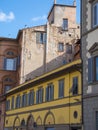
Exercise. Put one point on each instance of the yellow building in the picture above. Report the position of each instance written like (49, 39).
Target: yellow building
(52, 101)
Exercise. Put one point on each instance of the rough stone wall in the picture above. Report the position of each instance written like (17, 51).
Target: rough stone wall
(37, 59)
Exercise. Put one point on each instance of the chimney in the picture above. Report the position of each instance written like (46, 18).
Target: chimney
(74, 3)
(54, 1)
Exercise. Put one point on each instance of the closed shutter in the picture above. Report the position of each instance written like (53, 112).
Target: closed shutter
(90, 70)
(29, 99)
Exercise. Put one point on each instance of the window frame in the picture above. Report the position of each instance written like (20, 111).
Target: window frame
(65, 25)
(93, 14)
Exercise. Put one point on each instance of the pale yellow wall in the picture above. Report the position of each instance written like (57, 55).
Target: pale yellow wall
(62, 114)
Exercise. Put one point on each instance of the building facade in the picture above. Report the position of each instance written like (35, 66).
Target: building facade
(49, 102)
(8, 71)
(38, 50)
(90, 63)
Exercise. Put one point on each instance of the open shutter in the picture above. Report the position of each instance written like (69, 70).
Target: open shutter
(37, 97)
(5, 63)
(90, 70)
(37, 37)
(44, 37)
(52, 92)
(14, 63)
(47, 95)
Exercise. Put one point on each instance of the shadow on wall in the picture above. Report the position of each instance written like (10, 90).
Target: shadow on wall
(55, 63)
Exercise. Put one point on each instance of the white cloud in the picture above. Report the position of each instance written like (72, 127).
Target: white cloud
(6, 17)
(44, 17)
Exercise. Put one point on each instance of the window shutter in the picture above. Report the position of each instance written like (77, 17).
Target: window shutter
(14, 64)
(5, 63)
(52, 92)
(44, 37)
(47, 95)
(33, 97)
(37, 37)
(75, 85)
(36, 97)
(41, 94)
(90, 70)
(28, 99)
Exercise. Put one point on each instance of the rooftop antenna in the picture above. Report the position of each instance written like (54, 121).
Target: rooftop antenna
(74, 3)
(54, 1)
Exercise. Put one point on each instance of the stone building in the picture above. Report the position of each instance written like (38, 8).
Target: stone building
(90, 63)
(46, 47)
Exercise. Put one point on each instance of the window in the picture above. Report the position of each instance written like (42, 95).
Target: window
(75, 86)
(24, 100)
(18, 101)
(68, 48)
(7, 88)
(96, 120)
(65, 24)
(12, 104)
(10, 63)
(61, 47)
(31, 98)
(50, 92)
(61, 88)
(92, 69)
(95, 14)
(39, 95)
(8, 105)
(40, 37)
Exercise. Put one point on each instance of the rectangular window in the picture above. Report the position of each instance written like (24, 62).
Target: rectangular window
(61, 47)
(50, 92)
(96, 120)
(8, 105)
(92, 69)
(65, 24)
(68, 48)
(95, 14)
(61, 88)
(7, 88)
(12, 104)
(75, 86)
(24, 100)
(18, 101)
(31, 98)
(41, 37)
(10, 63)
(39, 95)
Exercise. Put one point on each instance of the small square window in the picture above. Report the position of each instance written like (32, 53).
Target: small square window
(61, 47)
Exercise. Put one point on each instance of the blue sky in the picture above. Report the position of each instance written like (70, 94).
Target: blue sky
(15, 14)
